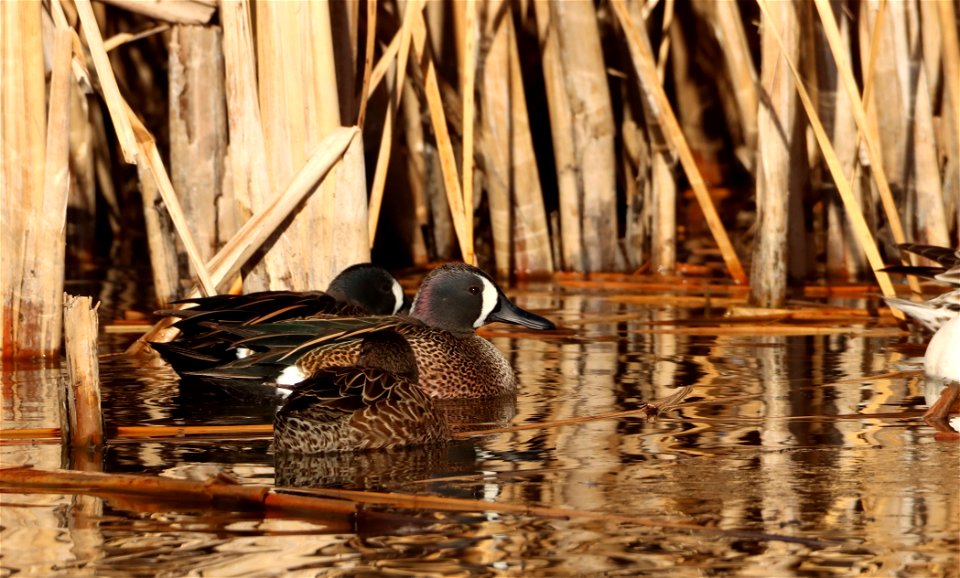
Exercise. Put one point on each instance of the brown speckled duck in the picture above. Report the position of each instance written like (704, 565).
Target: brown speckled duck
(452, 361)
(375, 404)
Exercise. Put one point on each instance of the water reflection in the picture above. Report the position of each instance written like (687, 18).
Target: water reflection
(785, 456)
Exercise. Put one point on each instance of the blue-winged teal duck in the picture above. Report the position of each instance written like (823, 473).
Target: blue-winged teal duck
(362, 289)
(453, 362)
(375, 404)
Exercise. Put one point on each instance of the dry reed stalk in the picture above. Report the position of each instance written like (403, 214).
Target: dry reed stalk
(448, 162)
(334, 222)
(530, 234)
(179, 11)
(843, 261)
(468, 92)
(663, 184)
(561, 128)
(416, 169)
(146, 154)
(108, 82)
(439, 503)
(198, 130)
(951, 111)
(588, 94)
(79, 64)
(37, 328)
(830, 157)
(413, 9)
(161, 240)
(369, 46)
(743, 75)
(83, 421)
(220, 492)
(929, 218)
(118, 40)
(22, 130)
(282, 68)
(246, 172)
(148, 158)
(658, 102)
(778, 161)
(832, 35)
(255, 232)
(496, 130)
(36, 435)
(891, 99)
(337, 509)
(635, 156)
(299, 102)
(387, 60)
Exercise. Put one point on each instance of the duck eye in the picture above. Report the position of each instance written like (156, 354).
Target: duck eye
(474, 290)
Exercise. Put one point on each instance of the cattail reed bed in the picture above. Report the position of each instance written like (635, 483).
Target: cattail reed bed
(773, 144)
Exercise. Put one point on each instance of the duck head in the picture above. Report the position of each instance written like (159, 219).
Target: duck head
(459, 298)
(369, 287)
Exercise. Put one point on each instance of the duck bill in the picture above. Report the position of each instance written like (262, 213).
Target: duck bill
(507, 312)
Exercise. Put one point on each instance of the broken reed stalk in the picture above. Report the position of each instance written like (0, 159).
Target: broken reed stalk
(779, 162)
(38, 324)
(181, 12)
(448, 161)
(108, 82)
(198, 130)
(588, 94)
(412, 9)
(82, 419)
(469, 74)
(642, 59)
(338, 509)
(530, 235)
(832, 34)
(22, 166)
(496, 131)
(227, 262)
(854, 213)
(370, 44)
(561, 128)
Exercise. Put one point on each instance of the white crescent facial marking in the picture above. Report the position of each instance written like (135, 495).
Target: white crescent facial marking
(291, 376)
(244, 352)
(398, 295)
(490, 299)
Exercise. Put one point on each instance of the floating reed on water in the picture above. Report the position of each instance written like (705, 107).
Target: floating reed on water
(530, 137)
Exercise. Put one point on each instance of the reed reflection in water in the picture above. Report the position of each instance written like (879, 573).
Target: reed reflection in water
(782, 464)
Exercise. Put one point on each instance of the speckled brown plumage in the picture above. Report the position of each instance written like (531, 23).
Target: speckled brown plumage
(346, 409)
(450, 366)
(374, 404)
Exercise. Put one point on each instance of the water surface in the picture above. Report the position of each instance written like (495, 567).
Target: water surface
(786, 458)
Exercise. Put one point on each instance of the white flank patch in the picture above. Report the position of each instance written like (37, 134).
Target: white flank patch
(291, 376)
(942, 359)
(244, 352)
(398, 295)
(490, 299)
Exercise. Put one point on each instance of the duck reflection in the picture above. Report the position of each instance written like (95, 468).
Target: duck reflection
(371, 469)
